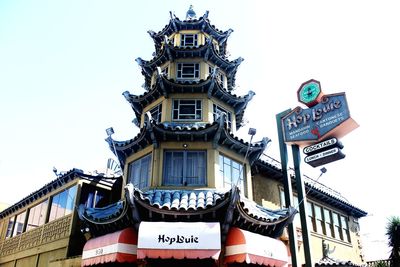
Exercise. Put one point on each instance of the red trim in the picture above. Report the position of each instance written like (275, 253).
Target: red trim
(243, 246)
(119, 246)
(178, 253)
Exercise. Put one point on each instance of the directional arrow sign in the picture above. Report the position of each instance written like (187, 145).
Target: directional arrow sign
(324, 157)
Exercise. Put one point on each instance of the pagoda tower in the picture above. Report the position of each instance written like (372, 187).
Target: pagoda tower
(186, 165)
(188, 115)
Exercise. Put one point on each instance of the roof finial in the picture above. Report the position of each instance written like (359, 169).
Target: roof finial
(190, 14)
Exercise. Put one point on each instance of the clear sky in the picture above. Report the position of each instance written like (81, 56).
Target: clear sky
(65, 64)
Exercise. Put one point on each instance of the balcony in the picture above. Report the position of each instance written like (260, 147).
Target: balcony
(44, 234)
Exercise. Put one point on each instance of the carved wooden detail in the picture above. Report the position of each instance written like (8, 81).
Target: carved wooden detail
(47, 233)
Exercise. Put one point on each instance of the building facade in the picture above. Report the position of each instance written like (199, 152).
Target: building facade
(44, 226)
(191, 193)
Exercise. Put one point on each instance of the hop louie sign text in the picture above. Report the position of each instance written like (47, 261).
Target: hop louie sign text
(179, 235)
(329, 118)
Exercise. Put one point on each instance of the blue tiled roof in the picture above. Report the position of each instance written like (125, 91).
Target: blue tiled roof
(261, 213)
(182, 199)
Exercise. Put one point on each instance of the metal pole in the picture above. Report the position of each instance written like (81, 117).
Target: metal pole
(287, 186)
(302, 201)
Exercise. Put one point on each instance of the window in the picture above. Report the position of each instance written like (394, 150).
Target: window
(231, 172)
(296, 220)
(188, 71)
(93, 197)
(217, 111)
(10, 227)
(310, 215)
(186, 109)
(63, 203)
(328, 223)
(139, 172)
(345, 229)
(220, 75)
(156, 113)
(184, 168)
(189, 40)
(37, 216)
(336, 226)
(165, 71)
(19, 224)
(319, 222)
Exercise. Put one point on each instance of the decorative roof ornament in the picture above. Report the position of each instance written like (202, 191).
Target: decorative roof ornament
(190, 14)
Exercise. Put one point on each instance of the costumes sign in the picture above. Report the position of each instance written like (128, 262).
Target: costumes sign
(330, 117)
(179, 235)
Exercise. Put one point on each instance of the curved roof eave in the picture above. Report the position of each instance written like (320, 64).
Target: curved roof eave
(202, 23)
(210, 86)
(272, 222)
(123, 149)
(206, 51)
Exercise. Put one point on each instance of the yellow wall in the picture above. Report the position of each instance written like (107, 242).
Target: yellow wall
(48, 242)
(207, 108)
(267, 193)
(47, 257)
(212, 175)
(8, 264)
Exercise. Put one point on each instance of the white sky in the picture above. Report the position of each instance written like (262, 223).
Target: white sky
(65, 64)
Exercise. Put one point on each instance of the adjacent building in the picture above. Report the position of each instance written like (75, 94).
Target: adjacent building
(192, 192)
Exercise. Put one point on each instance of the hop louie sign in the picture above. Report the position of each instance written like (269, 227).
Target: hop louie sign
(179, 235)
(327, 116)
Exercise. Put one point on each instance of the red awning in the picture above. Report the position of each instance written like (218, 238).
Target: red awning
(179, 240)
(244, 246)
(120, 246)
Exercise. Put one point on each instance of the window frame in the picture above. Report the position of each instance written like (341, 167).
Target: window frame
(142, 182)
(10, 230)
(156, 113)
(331, 229)
(60, 213)
(167, 178)
(42, 212)
(186, 42)
(187, 71)
(228, 181)
(177, 108)
(328, 222)
(19, 222)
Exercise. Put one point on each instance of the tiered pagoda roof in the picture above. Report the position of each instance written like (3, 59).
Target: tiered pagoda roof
(211, 86)
(203, 24)
(206, 52)
(153, 133)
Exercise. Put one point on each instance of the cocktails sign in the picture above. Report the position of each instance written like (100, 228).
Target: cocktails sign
(328, 118)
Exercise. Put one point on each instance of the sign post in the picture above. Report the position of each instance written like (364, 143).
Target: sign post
(317, 127)
(287, 186)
